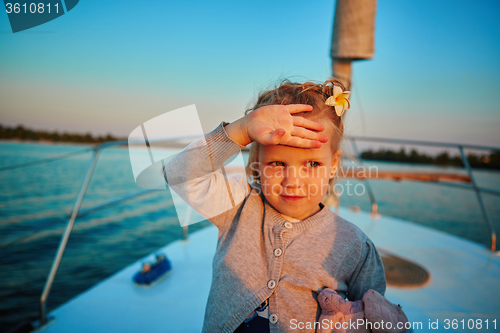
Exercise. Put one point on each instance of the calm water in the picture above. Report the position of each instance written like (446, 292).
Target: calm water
(35, 202)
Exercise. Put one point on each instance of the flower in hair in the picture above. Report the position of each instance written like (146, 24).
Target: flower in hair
(339, 100)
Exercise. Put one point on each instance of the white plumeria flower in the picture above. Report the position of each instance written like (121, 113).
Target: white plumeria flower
(339, 100)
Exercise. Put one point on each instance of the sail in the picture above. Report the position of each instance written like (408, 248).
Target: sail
(353, 36)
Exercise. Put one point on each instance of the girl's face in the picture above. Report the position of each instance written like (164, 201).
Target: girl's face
(295, 180)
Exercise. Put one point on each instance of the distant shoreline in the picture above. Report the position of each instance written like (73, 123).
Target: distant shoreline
(21, 134)
(486, 161)
(45, 142)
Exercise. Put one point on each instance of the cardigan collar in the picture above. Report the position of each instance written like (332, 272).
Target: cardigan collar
(317, 218)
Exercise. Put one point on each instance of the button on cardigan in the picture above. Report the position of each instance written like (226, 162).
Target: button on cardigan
(261, 255)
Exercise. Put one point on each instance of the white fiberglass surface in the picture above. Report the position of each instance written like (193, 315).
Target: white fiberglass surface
(465, 276)
(174, 304)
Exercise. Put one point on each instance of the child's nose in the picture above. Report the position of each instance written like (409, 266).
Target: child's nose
(292, 178)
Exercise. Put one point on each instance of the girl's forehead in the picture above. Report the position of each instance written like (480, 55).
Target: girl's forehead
(291, 153)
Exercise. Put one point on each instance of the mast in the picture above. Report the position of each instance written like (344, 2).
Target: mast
(353, 36)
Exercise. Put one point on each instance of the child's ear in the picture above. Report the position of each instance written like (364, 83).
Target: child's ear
(335, 163)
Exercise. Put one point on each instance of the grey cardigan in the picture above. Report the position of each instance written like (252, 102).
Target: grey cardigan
(261, 255)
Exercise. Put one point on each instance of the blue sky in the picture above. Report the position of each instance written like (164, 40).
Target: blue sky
(108, 66)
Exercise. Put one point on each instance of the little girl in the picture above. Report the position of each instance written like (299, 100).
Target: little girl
(278, 245)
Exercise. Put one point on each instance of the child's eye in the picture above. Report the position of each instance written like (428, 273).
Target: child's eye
(277, 163)
(312, 164)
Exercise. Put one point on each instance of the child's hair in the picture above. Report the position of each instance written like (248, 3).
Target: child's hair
(287, 92)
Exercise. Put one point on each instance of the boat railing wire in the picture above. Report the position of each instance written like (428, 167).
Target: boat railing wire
(474, 185)
(76, 212)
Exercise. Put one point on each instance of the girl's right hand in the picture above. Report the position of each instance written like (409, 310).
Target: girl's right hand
(275, 125)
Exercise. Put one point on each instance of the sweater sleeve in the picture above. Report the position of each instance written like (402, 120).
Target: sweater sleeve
(369, 273)
(198, 176)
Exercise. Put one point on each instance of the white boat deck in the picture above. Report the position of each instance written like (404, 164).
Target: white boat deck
(465, 276)
(465, 284)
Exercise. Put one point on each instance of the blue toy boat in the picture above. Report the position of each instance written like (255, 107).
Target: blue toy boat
(151, 273)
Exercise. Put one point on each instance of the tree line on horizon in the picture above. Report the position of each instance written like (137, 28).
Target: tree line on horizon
(27, 134)
(491, 161)
(487, 161)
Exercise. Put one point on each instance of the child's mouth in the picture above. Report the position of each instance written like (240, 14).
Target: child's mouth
(292, 197)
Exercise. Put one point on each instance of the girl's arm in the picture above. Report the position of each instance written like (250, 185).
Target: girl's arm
(197, 175)
(369, 273)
